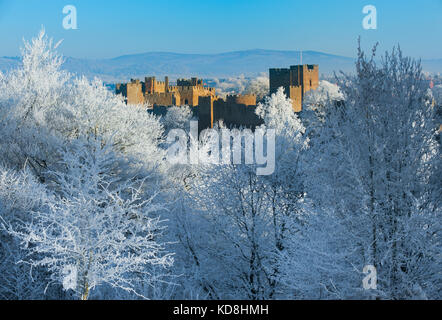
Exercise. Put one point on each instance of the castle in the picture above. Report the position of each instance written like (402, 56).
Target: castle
(234, 110)
(296, 81)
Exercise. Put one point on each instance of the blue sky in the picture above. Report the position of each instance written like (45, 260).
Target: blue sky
(108, 28)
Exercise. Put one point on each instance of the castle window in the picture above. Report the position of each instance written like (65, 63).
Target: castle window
(186, 102)
(310, 83)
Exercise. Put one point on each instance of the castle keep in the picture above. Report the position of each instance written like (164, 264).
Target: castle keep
(296, 81)
(234, 110)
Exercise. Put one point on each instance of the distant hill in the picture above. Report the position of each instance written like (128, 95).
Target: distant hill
(249, 63)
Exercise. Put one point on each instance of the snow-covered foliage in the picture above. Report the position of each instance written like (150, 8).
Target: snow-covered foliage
(277, 113)
(370, 198)
(43, 106)
(317, 99)
(90, 208)
(96, 164)
(258, 86)
(242, 217)
(437, 94)
(20, 193)
(231, 85)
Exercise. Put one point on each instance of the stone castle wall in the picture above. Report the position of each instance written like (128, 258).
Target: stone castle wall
(155, 92)
(235, 111)
(132, 91)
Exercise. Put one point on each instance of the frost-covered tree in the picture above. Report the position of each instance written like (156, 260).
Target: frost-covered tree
(315, 101)
(258, 86)
(437, 94)
(45, 113)
(26, 93)
(232, 85)
(370, 200)
(177, 118)
(85, 196)
(285, 185)
(42, 107)
(236, 257)
(97, 229)
(94, 111)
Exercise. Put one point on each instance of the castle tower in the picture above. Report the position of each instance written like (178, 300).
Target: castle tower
(296, 81)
